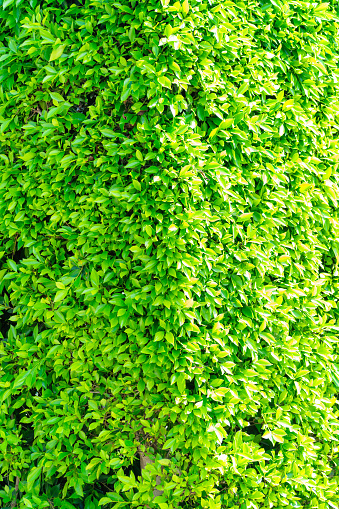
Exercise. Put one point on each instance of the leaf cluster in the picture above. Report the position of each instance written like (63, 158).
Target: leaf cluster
(169, 249)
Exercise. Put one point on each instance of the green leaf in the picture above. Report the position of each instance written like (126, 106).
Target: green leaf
(169, 443)
(95, 278)
(104, 501)
(213, 132)
(57, 52)
(139, 155)
(165, 82)
(20, 379)
(245, 217)
(60, 295)
(109, 133)
(7, 3)
(137, 185)
(226, 123)
(131, 34)
(78, 487)
(12, 265)
(170, 338)
(27, 502)
(284, 258)
(57, 97)
(5, 124)
(185, 7)
(159, 335)
(34, 474)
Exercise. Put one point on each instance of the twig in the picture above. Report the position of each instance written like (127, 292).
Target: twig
(16, 489)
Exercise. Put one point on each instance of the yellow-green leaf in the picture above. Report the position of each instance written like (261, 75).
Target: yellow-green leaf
(165, 82)
(57, 52)
(284, 258)
(60, 295)
(185, 7)
(170, 337)
(137, 185)
(159, 335)
(246, 216)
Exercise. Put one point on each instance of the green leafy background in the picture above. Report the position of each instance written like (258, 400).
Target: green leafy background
(169, 246)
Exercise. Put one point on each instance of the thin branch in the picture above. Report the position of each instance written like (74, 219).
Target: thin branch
(16, 489)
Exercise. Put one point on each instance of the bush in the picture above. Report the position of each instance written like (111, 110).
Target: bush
(169, 254)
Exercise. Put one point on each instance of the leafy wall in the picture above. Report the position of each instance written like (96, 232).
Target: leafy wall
(169, 254)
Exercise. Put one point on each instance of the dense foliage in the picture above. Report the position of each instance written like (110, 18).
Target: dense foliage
(169, 245)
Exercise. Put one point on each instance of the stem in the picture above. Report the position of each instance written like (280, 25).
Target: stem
(145, 460)
(16, 489)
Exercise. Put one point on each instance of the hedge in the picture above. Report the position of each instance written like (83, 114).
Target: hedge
(169, 249)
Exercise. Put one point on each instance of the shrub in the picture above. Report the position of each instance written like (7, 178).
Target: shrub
(169, 254)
